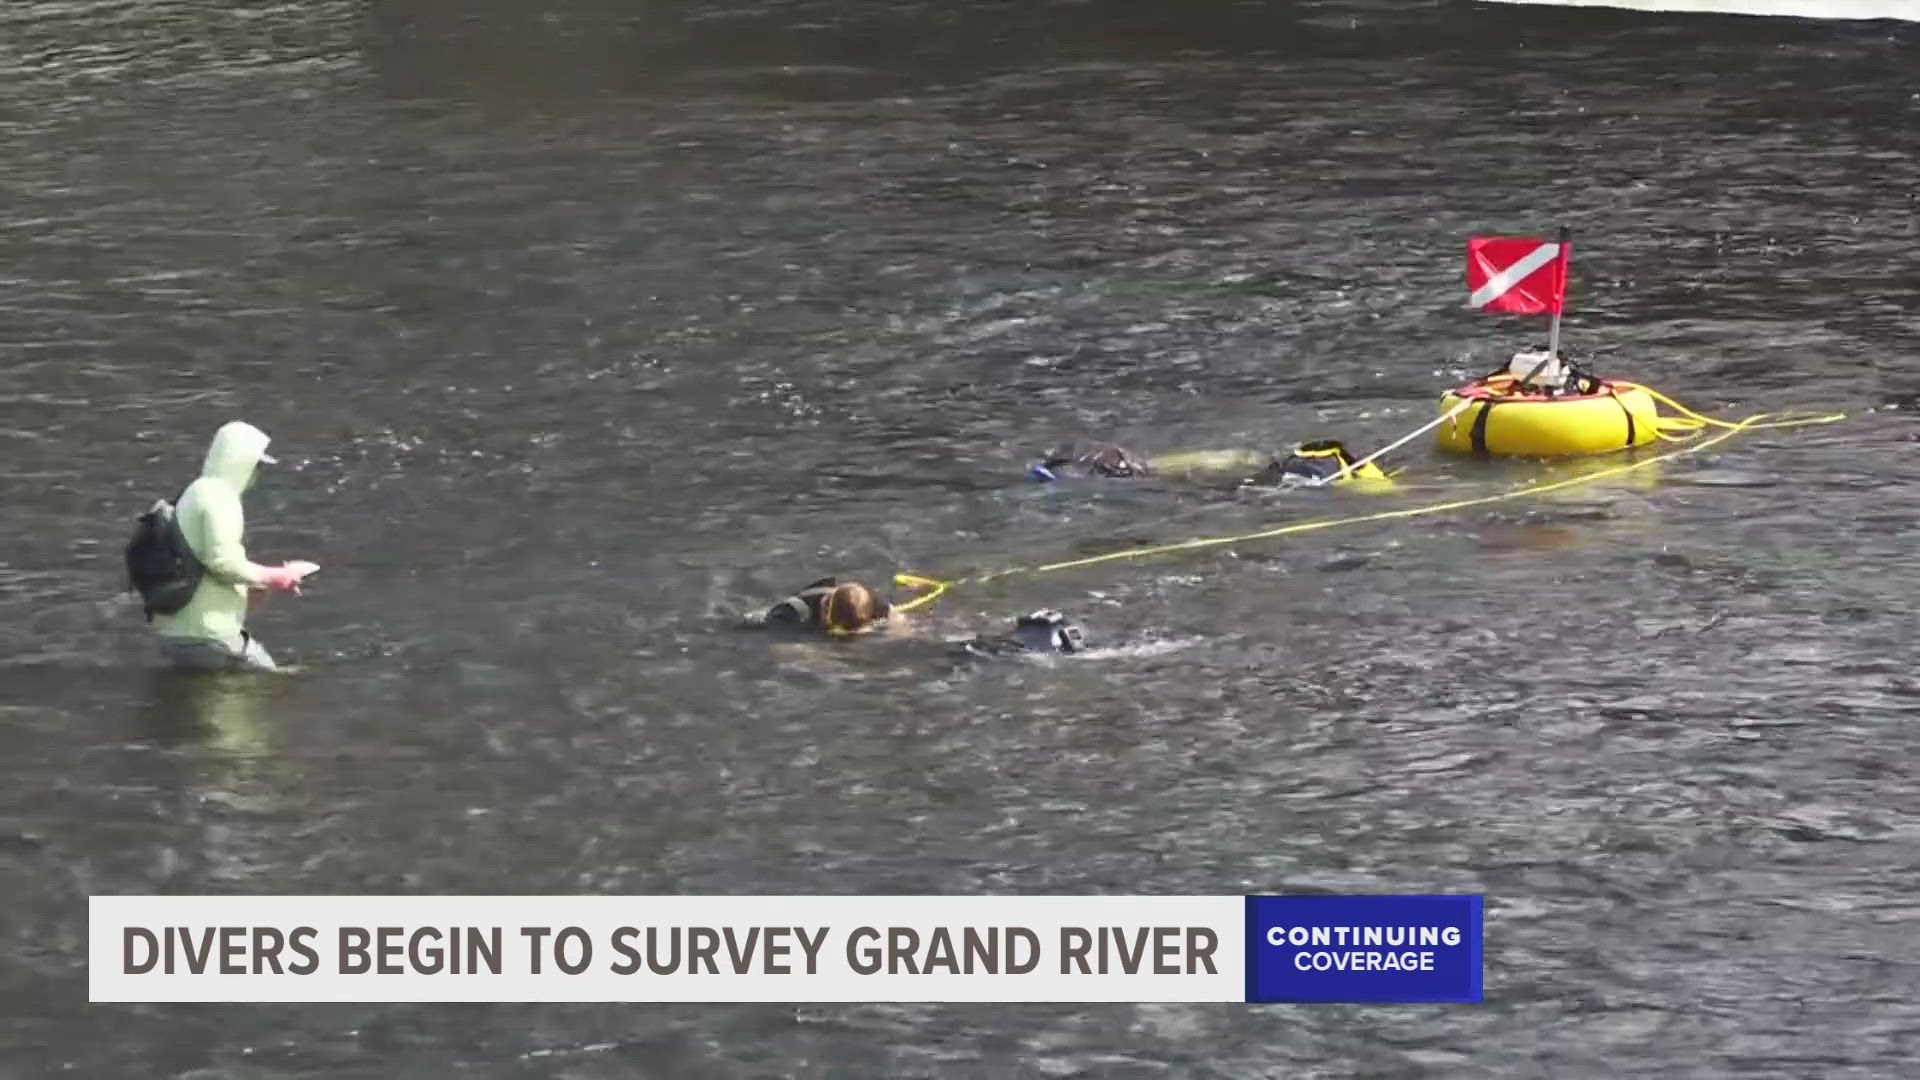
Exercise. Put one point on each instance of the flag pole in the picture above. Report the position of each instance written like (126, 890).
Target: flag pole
(1559, 301)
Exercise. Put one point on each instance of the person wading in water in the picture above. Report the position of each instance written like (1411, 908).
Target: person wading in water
(189, 562)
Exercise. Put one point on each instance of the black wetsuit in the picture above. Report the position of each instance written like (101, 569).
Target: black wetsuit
(1041, 633)
(802, 610)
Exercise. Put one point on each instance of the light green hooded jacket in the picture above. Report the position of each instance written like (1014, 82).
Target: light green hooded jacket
(214, 524)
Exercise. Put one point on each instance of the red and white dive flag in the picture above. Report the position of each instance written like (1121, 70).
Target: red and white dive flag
(1518, 274)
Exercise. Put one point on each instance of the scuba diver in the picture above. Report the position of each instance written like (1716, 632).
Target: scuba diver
(1104, 461)
(188, 561)
(1323, 461)
(829, 606)
(1044, 632)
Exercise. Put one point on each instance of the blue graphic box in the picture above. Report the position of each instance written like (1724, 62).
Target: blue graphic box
(1364, 948)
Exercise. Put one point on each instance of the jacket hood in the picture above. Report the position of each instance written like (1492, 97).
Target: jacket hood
(238, 448)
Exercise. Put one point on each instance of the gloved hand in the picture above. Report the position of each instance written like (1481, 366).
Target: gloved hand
(287, 577)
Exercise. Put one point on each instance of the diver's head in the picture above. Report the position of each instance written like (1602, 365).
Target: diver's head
(1049, 631)
(852, 606)
(1113, 461)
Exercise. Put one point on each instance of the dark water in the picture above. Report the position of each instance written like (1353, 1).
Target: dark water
(584, 326)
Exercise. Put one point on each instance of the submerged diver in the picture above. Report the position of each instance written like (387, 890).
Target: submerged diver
(1324, 461)
(1045, 632)
(830, 606)
(1320, 461)
(1104, 461)
(189, 562)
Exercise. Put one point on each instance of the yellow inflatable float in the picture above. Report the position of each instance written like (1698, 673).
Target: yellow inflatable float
(1503, 421)
(1542, 406)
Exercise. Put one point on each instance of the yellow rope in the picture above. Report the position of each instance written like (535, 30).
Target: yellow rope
(1692, 422)
(911, 581)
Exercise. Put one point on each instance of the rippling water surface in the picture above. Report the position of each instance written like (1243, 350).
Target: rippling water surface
(583, 327)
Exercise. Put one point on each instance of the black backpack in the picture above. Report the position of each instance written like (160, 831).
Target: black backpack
(161, 566)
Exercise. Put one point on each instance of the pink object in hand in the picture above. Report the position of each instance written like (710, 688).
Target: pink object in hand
(287, 577)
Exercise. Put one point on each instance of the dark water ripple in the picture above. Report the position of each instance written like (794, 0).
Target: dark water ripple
(582, 327)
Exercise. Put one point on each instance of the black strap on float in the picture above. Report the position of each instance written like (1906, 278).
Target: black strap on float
(1628, 413)
(1479, 431)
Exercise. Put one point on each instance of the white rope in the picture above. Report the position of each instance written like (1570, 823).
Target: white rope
(1399, 442)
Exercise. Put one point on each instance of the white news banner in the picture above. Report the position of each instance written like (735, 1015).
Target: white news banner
(666, 948)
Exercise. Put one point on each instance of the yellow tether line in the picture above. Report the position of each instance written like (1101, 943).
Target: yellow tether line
(936, 587)
(1693, 422)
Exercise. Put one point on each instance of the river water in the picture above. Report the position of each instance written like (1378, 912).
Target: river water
(583, 327)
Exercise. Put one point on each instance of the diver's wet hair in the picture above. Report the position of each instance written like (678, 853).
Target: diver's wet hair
(1113, 461)
(852, 606)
